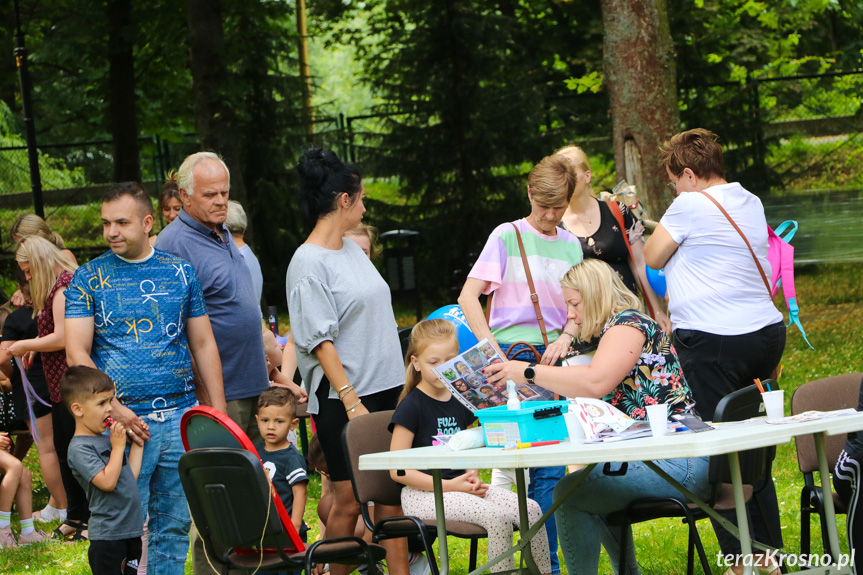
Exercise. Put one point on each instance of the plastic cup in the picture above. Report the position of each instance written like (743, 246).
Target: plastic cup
(774, 404)
(658, 417)
(573, 427)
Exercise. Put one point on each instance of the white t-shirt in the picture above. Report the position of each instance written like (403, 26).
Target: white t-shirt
(713, 282)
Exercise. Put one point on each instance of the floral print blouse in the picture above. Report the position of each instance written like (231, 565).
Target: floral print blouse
(657, 376)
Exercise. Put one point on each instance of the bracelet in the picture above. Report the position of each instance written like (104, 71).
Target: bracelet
(348, 387)
(353, 408)
(569, 334)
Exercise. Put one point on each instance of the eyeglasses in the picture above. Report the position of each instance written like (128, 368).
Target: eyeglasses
(672, 186)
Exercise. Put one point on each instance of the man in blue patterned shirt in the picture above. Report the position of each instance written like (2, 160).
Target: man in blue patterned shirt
(138, 314)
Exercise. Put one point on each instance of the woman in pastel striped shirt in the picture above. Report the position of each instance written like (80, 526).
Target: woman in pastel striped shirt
(551, 252)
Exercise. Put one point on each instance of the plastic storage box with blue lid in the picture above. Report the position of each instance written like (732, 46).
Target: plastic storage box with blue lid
(535, 421)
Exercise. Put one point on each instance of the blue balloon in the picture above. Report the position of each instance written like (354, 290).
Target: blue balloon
(656, 279)
(454, 315)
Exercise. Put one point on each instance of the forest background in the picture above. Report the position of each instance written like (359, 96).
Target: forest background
(445, 105)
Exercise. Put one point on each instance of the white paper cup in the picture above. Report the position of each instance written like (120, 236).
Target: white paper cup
(573, 427)
(774, 404)
(658, 417)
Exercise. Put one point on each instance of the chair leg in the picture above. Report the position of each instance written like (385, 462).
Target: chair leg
(805, 527)
(624, 532)
(474, 549)
(427, 545)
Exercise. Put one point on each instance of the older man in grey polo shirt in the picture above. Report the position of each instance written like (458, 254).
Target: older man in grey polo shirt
(199, 236)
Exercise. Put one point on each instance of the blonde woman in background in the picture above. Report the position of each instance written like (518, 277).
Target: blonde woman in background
(592, 221)
(32, 225)
(49, 272)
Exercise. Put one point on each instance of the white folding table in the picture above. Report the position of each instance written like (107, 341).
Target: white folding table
(723, 440)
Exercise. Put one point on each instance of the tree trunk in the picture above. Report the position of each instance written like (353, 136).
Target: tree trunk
(640, 75)
(121, 87)
(213, 117)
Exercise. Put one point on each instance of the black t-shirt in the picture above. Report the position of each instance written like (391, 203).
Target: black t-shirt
(20, 324)
(608, 245)
(427, 417)
(285, 467)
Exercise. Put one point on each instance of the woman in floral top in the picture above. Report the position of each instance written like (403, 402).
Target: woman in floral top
(635, 366)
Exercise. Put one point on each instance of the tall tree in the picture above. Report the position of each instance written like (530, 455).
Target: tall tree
(121, 84)
(213, 114)
(641, 81)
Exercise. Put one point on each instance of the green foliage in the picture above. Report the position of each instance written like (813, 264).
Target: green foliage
(731, 54)
(14, 164)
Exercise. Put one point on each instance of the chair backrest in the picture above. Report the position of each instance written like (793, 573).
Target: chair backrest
(369, 434)
(739, 405)
(231, 502)
(203, 426)
(828, 394)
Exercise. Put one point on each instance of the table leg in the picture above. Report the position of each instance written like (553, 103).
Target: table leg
(526, 535)
(740, 507)
(441, 522)
(524, 523)
(827, 490)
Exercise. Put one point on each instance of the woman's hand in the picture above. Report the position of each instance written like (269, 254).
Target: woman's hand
(20, 348)
(497, 373)
(663, 321)
(556, 350)
(5, 441)
(358, 411)
(18, 299)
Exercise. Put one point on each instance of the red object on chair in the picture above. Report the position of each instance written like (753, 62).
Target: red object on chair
(202, 426)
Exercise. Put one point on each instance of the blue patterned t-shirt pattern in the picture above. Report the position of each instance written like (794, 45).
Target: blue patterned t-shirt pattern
(140, 311)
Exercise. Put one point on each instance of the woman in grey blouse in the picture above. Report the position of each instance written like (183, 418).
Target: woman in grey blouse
(344, 329)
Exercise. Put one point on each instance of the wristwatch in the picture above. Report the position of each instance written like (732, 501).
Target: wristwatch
(530, 373)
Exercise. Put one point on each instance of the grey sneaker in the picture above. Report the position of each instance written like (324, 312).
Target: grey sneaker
(7, 540)
(31, 538)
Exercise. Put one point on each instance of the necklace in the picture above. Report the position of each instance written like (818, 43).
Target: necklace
(586, 226)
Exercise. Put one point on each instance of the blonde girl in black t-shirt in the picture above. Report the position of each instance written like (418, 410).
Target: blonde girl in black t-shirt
(426, 409)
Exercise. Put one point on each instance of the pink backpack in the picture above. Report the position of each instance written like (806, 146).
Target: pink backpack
(780, 254)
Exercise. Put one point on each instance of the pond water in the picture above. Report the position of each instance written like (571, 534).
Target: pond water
(831, 224)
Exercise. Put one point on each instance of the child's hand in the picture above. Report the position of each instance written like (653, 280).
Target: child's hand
(469, 483)
(5, 441)
(118, 435)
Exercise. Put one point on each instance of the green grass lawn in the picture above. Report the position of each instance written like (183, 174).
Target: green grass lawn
(831, 299)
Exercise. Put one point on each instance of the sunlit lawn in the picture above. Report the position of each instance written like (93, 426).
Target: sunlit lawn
(832, 314)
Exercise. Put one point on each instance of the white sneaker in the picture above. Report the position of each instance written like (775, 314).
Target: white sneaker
(7, 539)
(421, 566)
(49, 514)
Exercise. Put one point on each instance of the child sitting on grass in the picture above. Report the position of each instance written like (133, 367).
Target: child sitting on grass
(16, 484)
(277, 416)
(106, 474)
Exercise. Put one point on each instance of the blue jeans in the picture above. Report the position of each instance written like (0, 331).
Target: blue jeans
(162, 495)
(542, 479)
(581, 518)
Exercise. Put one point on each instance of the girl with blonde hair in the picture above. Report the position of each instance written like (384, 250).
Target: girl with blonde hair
(27, 225)
(49, 272)
(427, 409)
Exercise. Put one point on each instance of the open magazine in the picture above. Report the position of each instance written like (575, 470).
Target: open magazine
(464, 378)
(602, 421)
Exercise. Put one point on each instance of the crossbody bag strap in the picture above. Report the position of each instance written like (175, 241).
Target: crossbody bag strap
(533, 296)
(614, 208)
(742, 235)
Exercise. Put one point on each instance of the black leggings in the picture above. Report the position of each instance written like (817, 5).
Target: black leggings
(77, 509)
(846, 481)
(714, 366)
(332, 418)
